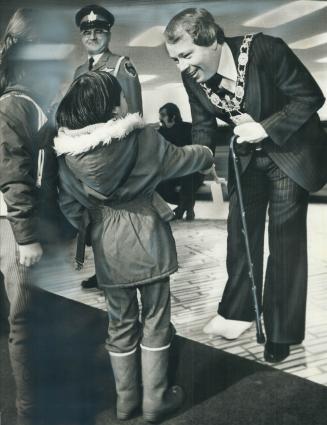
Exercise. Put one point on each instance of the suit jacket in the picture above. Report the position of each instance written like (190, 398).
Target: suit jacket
(281, 94)
(127, 77)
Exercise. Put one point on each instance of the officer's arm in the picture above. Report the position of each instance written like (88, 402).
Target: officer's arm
(131, 86)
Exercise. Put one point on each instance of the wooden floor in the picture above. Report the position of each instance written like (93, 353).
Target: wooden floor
(199, 283)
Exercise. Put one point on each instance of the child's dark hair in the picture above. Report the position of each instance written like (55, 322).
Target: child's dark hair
(90, 99)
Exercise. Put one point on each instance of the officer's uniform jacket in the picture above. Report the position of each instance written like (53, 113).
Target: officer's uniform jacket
(122, 68)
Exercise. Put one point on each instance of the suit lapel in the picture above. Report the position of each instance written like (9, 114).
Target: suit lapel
(204, 99)
(252, 98)
(253, 95)
(102, 61)
(83, 68)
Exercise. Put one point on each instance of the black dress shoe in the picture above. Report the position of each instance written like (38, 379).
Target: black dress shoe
(190, 216)
(179, 212)
(91, 282)
(275, 352)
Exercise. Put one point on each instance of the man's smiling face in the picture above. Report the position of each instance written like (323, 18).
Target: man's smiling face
(199, 62)
(95, 40)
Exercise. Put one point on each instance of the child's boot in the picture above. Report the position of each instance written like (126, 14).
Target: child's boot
(159, 400)
(126, 371)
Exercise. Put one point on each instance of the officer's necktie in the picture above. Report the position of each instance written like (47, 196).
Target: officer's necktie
(91, 61)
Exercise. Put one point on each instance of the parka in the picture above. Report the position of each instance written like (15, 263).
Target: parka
(111, 171)
(28, 168)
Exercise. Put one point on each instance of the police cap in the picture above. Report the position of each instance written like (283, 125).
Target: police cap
(95, 16)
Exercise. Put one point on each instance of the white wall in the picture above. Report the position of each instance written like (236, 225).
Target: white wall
(153, 99)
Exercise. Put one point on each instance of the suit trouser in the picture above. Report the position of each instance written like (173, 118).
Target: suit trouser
(283, 301)
(27, 314)
(125, 331)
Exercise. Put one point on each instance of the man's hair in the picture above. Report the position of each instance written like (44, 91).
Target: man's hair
(172, 111)
(90, 99)
(198, 23)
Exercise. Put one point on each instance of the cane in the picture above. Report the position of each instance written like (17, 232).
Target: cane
(260, 334)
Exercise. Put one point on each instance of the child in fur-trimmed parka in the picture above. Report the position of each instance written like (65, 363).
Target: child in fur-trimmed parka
(110, 164)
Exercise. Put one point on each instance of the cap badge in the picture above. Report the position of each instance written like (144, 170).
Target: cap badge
(91, 17)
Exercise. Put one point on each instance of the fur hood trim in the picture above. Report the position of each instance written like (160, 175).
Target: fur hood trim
(75, 142)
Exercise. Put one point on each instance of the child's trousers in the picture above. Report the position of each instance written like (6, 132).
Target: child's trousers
(128, 327)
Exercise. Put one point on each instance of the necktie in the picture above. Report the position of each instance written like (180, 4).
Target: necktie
(91, 61)
(214, 82)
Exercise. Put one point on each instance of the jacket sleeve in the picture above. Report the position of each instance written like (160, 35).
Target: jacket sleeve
(17, 176)
(69, 188)
(295, 83)
(131, 86)
(177, 162)
(204, 124)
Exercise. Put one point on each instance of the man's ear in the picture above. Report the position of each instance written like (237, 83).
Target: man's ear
(109, 37)
(214, 45)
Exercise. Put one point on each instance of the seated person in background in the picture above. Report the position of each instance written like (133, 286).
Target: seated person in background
(178, 132)
(109, 166)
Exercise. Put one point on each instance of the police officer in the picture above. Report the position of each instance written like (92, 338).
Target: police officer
(95, 24)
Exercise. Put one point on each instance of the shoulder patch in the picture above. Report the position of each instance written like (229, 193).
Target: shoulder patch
(130, 70)
(106, 69)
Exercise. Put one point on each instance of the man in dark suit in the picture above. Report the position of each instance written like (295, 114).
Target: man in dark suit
(95, 23)
(257, 85)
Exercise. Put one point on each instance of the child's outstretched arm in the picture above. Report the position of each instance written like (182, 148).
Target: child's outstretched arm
(181, 161)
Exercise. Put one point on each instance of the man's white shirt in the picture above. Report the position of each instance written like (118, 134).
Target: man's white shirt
(96, 58)
(227, 69)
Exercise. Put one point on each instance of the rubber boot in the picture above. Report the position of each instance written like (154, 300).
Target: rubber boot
(159, 400)
(126, 372)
